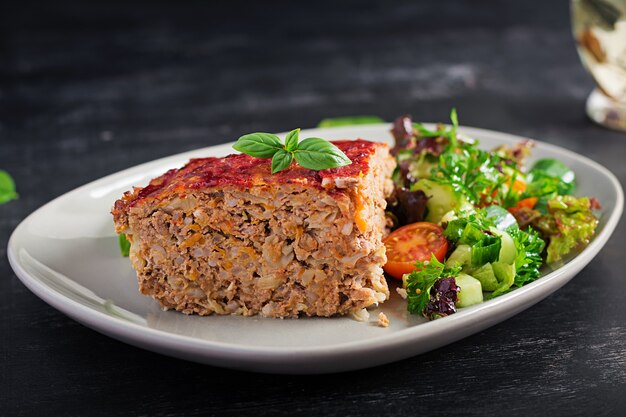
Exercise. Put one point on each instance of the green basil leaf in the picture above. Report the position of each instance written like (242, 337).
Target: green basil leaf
(260, 145)
(124, 244)
(350, 120)
(7, 187)
(291, 141)
(281, 160)
(317, 154)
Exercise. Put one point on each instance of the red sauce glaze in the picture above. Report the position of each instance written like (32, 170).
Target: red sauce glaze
(245, 171)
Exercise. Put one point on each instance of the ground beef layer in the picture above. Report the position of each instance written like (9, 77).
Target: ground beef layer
(310, 245)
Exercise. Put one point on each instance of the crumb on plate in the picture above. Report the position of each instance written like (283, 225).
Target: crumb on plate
(383, 321)
(401, 292)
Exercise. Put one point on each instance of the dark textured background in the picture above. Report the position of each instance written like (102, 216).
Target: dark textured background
(88, 90)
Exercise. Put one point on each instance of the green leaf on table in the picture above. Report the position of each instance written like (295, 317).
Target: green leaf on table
(350, 120)
(7, 188)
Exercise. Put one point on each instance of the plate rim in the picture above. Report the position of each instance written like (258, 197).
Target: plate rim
(248, 356)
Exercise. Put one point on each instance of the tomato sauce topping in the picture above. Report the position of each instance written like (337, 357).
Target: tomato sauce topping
(245, 171)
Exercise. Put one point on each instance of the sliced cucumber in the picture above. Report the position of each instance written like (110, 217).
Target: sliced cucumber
(505, 274)
(441, 199)
(461, 256)
(508, 252)
(470, 292)
(422, 168)
(486, 276)
(507, 249)
(501, 217)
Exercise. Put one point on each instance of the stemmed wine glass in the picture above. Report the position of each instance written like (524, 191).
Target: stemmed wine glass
(599, 28)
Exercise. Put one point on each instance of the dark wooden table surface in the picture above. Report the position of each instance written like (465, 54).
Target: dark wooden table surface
(86, 91)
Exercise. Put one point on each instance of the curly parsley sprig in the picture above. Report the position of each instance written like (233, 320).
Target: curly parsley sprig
(310, 153)
(419, 282)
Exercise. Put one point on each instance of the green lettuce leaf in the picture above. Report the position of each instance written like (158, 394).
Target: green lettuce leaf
(575, 225)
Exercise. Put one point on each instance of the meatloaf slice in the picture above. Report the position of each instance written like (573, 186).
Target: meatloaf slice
(225, 236)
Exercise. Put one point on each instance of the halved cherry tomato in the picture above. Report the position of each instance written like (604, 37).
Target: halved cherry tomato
(412, 243)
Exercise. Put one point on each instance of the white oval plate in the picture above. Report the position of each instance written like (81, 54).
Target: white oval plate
(67, 253)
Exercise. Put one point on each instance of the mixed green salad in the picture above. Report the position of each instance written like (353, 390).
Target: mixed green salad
(472, 224)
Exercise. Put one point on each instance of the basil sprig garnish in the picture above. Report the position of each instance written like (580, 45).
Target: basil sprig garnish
(310, 153)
